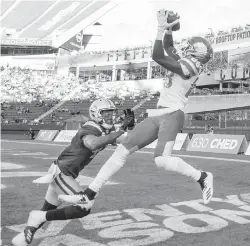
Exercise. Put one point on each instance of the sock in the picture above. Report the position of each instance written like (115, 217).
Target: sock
(66, 213)
(176, 164)
(113, 164)
(202, 177)
(48, 206)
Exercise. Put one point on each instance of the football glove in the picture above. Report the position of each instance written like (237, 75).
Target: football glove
(128, 119)
(129, 113)
(168, 20)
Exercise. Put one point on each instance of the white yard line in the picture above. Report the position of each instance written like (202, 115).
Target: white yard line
(139, 151)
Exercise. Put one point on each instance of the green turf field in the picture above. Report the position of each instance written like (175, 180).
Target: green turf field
(142, 205)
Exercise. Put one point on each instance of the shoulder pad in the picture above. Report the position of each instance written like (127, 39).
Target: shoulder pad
(93, 124)
(192, 64)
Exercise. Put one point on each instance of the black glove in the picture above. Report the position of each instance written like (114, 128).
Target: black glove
(129, 119)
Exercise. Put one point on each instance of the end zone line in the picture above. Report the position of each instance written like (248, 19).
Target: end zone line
(49, 144)
(139, 151)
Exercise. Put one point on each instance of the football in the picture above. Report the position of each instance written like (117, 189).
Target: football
(172, 17)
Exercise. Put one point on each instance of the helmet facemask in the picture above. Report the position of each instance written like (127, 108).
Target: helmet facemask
(103, 112)
(197, 51)
(108, 118)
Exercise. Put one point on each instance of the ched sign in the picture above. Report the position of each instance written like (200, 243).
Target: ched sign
(218, 143)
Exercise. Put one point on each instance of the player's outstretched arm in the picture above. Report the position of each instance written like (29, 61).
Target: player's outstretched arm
(168, 45)
(94, 142)
(168, 62)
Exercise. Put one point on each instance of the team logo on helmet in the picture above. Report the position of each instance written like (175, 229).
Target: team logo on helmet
(198, 48)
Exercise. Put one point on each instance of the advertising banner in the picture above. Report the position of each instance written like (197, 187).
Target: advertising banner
(218, 143)
(25, 42)
(65, 136)
(74, 43)
(248, 150)
(77, 42)
(181, 141)
(46, 135)
(231, 38)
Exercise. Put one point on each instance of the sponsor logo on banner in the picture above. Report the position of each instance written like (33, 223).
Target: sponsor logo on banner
(218, 143)
(65, 136)
(74, 43)
(47, 135)
(242, 36)
(181, 141)
(77, 42)
(229, 39)
(26, 42)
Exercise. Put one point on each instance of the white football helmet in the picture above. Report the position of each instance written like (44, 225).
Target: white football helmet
(96, 110)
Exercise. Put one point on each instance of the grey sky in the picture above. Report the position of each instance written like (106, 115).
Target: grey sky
(133, 22)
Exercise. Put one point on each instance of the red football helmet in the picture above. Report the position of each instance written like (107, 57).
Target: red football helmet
(199, 48)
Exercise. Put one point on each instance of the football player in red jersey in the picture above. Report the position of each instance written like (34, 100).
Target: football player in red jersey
(168, 118)
(91, 138)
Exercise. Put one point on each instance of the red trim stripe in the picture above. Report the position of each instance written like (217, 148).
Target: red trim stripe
(66, 184)
(59, 185)
(190, 65)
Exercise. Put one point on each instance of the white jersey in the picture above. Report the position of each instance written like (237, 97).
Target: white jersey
(175, 92)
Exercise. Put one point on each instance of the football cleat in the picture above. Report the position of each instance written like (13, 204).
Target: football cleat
(36, 219)
(206, 183)
(78, 199)
(19, 240)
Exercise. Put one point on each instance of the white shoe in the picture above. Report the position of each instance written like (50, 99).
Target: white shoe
(77, 199)
(206, 183)
(19, 240)
(36, 219)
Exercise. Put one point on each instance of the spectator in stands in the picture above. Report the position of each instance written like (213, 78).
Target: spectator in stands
(207, 129)
(211, 130)
(31, 134)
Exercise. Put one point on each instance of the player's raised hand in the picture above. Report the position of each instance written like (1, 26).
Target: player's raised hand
(128, 119)
(168, 20)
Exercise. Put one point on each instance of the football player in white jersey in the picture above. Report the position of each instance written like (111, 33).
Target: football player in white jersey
(168, 119)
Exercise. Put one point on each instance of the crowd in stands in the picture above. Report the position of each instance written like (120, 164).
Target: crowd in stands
(233, 115)
(22, 87)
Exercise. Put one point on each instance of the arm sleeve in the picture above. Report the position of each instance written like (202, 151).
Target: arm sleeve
(167, 62)
(168, 45)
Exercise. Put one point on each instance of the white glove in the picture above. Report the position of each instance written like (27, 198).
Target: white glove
(162, 17)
